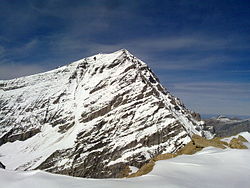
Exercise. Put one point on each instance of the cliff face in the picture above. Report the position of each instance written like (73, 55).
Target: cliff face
(92, 118)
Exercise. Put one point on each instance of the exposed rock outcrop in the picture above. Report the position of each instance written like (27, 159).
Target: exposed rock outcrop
(196, 144)
(237, 143)
(2, 165)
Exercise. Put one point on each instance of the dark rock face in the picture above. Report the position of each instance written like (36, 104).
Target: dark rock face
(230, 127)
(196, 116)
(10, 137)
(92, 118)
(86, 168)
(2, 166)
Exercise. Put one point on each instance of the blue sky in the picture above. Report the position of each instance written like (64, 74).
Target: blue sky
(200, 50)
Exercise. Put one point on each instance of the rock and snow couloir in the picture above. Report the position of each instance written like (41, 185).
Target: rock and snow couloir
(91, 118)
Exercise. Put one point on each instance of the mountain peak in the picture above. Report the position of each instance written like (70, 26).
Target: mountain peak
(91, 118)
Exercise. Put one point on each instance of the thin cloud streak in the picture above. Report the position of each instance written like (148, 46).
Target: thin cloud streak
(216, 89)
(10, 71)
(215, 97)
(62, 46)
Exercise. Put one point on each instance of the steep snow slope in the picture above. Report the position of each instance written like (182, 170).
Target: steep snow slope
(211, 167)
(91, 118)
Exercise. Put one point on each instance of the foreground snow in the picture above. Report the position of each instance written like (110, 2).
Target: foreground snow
(210, 167)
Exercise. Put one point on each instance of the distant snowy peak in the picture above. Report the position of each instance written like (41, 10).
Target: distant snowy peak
(92, 118)
(226, 119)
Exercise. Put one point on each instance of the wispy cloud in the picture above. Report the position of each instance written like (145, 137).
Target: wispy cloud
(202, 50)
(11, 71)
(199, 43)
(191, 62)
(215, 97)
(71, 47)
(190, 43)
(216, 88)
(2, 51)
(241, 71)
(25, 49)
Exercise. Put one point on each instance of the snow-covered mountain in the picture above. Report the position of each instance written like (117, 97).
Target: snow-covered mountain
(225, 126)
(91, 118)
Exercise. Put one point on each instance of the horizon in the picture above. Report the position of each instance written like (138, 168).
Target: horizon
(199, 51)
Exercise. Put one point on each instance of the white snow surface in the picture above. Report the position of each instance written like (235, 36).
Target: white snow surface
(211, 167)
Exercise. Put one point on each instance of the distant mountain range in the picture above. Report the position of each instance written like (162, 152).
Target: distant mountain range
(224, 126)
(208, 116)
